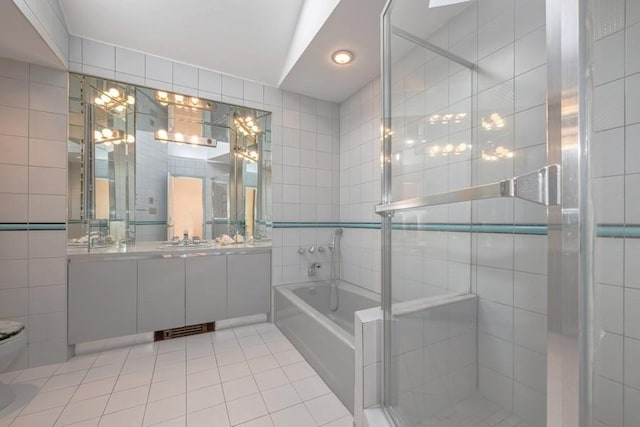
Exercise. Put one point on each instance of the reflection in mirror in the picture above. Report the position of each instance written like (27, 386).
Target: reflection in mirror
(149, 165)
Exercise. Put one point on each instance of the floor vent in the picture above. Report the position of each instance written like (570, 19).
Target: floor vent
(184, 331)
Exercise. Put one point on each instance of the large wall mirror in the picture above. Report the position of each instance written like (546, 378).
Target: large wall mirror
(150, 165)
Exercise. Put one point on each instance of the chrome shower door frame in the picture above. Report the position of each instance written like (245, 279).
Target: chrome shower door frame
(570, 229)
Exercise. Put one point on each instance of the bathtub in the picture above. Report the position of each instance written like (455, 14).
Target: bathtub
(324, 338)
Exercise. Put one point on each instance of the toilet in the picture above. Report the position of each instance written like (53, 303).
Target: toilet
(12, 340)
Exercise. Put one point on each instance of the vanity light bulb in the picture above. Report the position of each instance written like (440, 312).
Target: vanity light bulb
(97, 135)
(131, 100)
(117, 141)
(179, 99)
(114, 93)
(178, 136)
(162, 95)
(120, 108)
(194, 139)
(162, 134)
(195, 100)
(105, 98)
(130, 139)
(98, 101)
(107, 133)
(255, 128)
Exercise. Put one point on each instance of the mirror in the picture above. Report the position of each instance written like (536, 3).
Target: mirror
(153, 166)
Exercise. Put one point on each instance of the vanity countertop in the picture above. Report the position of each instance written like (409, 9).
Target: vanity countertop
(156, 249)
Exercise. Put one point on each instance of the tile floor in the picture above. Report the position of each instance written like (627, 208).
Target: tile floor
(476, 411)
(249, 376)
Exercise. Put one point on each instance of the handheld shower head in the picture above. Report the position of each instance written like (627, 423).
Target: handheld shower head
(336, 235)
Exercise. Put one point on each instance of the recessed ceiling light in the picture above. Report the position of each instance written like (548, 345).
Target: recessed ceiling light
(342, 57)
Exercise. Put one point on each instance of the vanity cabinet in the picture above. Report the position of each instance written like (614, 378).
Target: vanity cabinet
(102, 300)
(248, 284)
(161, 294)
(112, 297)
(206, 288)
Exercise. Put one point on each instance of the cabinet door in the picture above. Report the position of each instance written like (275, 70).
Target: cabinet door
(206, 289)
(248, 284)
(160, 294)
(102, 300)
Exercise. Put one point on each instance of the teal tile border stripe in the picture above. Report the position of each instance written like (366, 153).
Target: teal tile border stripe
(602, 230)
(32, 227)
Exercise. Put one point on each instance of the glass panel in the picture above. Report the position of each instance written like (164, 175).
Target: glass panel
(615, 178)
(466, 318)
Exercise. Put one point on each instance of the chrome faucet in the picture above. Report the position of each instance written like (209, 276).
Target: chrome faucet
(312, 271)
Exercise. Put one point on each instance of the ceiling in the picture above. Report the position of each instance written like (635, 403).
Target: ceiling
(285, 43)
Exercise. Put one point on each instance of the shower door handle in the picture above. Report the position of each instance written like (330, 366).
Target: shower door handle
(541, 186)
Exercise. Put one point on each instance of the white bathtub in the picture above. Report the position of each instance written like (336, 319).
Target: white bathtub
(324, 338)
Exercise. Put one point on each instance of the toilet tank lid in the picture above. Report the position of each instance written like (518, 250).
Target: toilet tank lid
(9, 329)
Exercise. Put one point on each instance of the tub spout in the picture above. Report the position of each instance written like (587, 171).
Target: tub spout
(312, 271)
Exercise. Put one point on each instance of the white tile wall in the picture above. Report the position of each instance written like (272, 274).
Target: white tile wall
(34, 191)
(614, 175)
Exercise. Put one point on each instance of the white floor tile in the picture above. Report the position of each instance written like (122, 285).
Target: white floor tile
(270, 379)
(203, 379)
(298, 371)
(128, 417)
(160, 383)
(83, 410)
(163, 389)
(288, 357)
(127, 399)
(214, 416)
(41, 419)
(239, 388)
(91, 422)
(133, 380)
(232, 372)
(102, 372)
(201, 364)
(246, 408)
(229, 357)
(326, 408)
(174, 422)
(166, 409)
(49, 400)
(256, 351)
(310, 388)
(94, 389)
(258, 422)
(35, 373)
(57, 382)
(175, 370)
(342, 422)
(263, 363)
(280, 398)
(296, 416)
(204, 398)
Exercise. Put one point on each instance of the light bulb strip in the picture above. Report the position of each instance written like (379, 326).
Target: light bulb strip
(113, 99)
(177, 137)
(182, 101)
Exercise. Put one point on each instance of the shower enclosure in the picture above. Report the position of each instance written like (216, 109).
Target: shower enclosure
(498, 178)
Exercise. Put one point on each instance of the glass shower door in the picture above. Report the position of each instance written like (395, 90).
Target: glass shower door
(465, 244)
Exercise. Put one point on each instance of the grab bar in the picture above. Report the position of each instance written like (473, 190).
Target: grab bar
(541, 187)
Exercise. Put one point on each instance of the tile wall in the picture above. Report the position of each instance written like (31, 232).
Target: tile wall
(615, 179)
(33, 167)
(360, 184)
